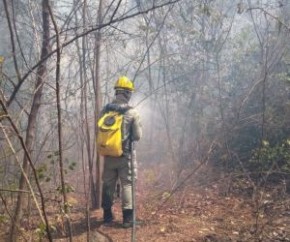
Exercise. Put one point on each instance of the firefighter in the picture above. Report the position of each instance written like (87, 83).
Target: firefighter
(121, 167)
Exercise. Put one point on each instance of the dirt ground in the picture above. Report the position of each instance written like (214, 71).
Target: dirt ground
(196, 212)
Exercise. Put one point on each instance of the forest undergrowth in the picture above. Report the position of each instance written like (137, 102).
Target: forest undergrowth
(205, 208)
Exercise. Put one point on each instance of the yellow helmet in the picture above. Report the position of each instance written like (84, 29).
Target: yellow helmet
(124, 83)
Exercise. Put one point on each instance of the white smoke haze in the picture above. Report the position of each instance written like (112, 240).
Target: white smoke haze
(152, 148)
(212, 79)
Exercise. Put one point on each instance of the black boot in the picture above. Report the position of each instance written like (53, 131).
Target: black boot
(108, 216)
(127, 218)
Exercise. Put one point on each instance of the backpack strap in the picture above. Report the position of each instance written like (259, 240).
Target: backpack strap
(120, 108)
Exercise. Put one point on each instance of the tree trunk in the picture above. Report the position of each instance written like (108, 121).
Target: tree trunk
(97, 89)
(31, 127)
(59, 119)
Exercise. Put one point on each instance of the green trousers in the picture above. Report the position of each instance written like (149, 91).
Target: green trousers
(117, 168)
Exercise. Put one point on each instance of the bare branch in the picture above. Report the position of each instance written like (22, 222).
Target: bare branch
(98, 27)
(272, 16)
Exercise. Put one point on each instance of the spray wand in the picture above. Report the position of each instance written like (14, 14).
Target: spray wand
(133, 157)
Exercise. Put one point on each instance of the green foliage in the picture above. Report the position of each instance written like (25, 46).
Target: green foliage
(45, 170)
(41, 171)
(271, 158)
(72, 165)
(3, 218)
(41, 230)
(67, 188)
(67, 207)
(166, 195)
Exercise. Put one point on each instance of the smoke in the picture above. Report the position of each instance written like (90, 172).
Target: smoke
(152, 148)
(142, 105)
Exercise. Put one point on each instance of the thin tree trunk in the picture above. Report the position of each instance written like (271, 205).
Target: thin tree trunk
(97, 89)
(65, 205)
(12, 38)
(81, 51)
(31, 127)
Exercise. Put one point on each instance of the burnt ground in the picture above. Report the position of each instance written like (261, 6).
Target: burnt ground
(196, 212)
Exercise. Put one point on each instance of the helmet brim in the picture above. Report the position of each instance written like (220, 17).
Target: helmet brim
(123, 89)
